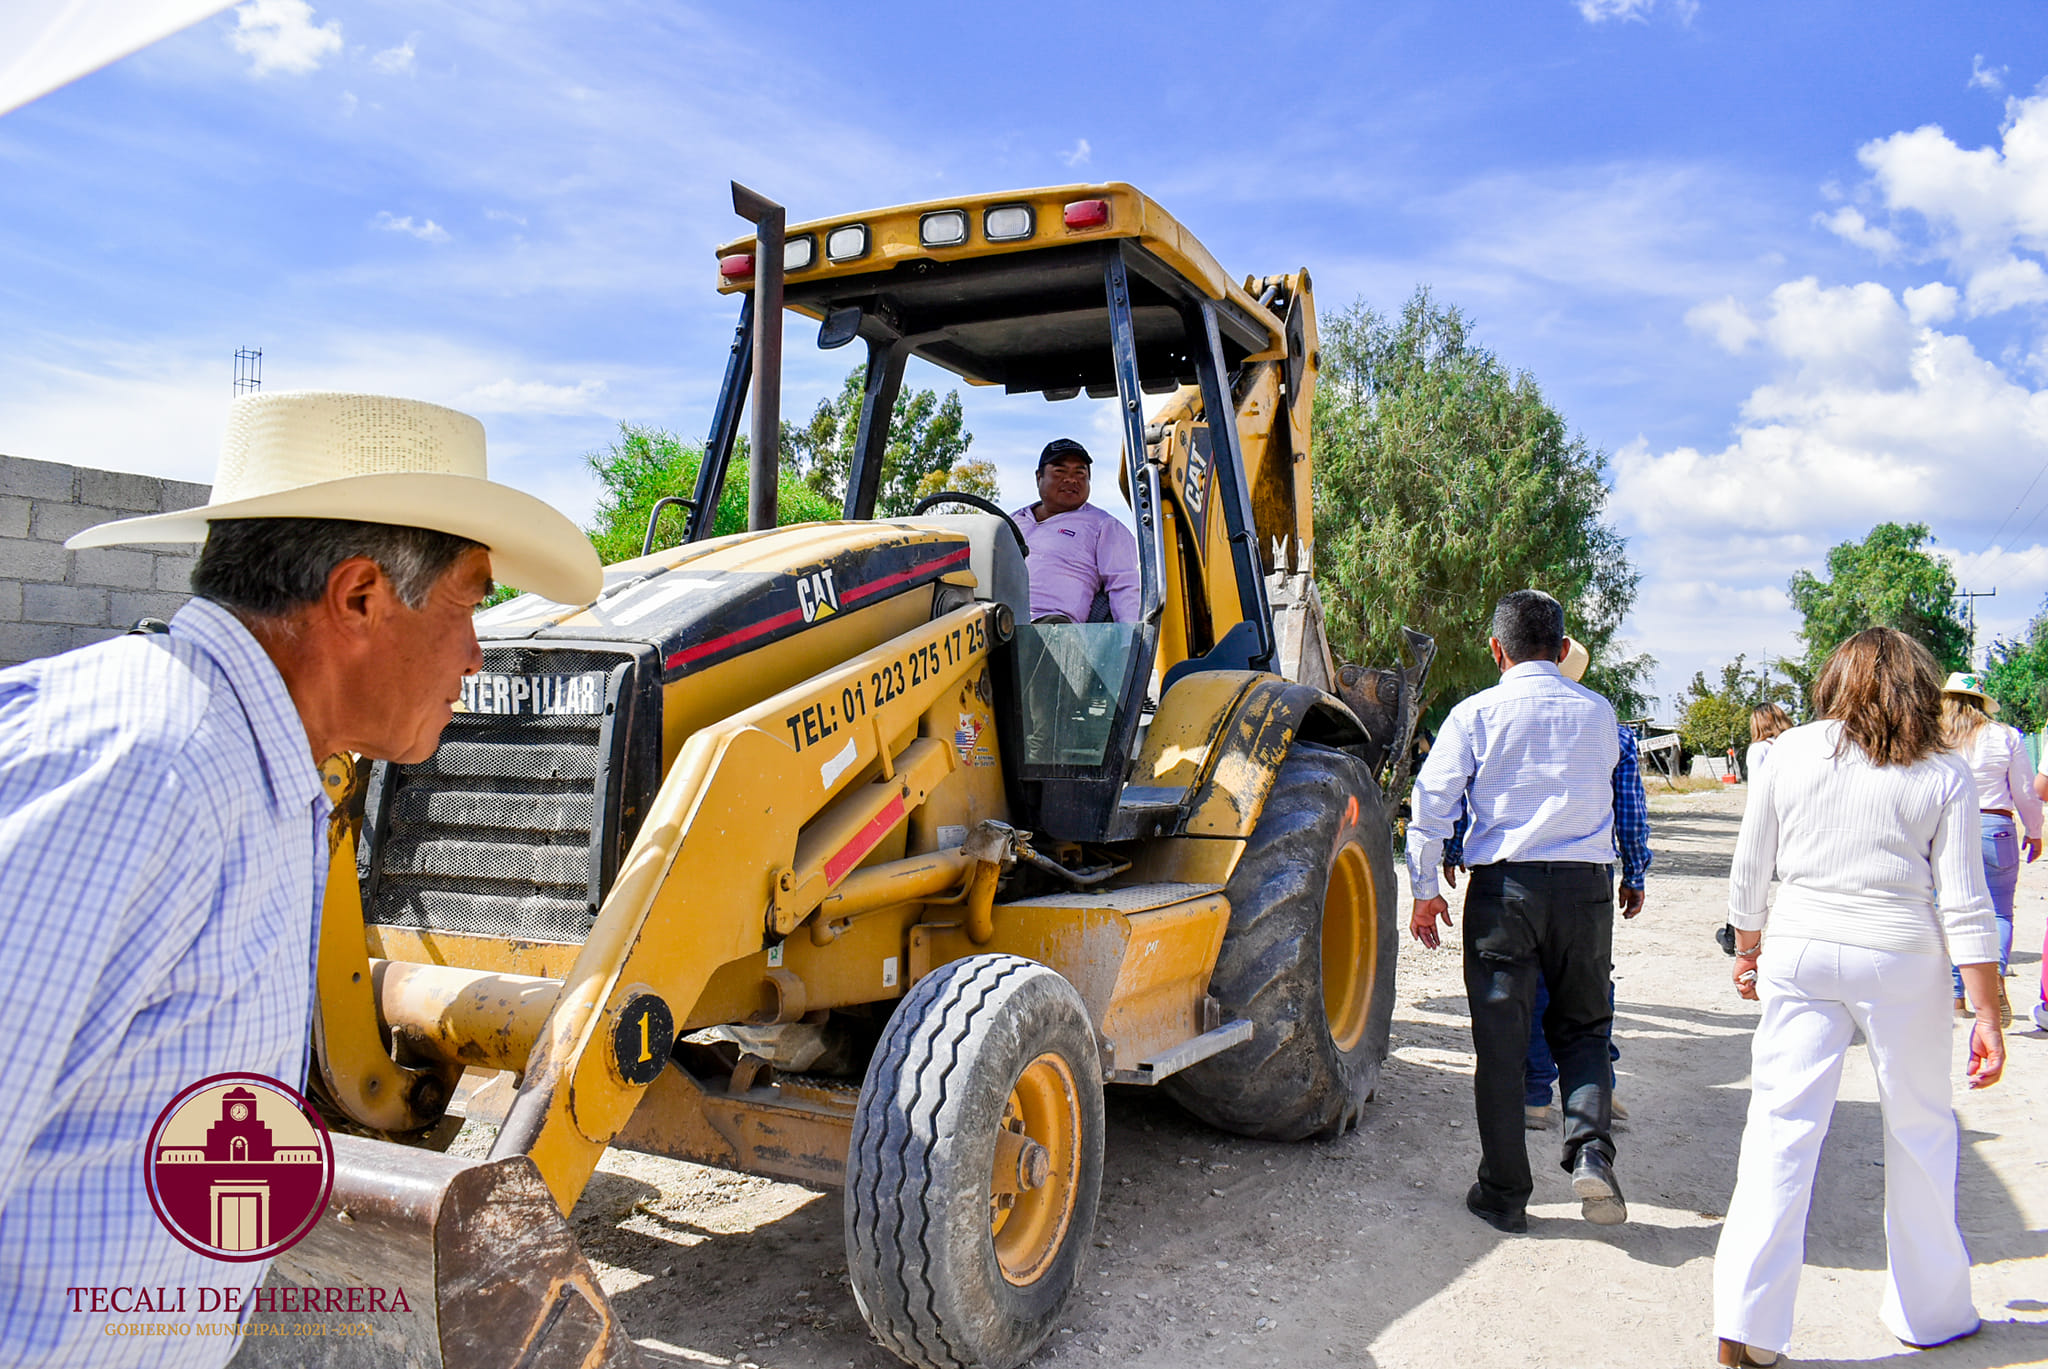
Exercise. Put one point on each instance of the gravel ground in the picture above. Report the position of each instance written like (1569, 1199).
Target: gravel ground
(1215, 1251)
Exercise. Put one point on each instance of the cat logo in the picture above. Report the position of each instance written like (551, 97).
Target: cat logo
(817, 596)
(1194, 490)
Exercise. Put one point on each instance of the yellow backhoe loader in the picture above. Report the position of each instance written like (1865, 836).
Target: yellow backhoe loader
(805, 852)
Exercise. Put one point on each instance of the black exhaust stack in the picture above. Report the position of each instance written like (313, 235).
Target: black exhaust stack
(764, 454)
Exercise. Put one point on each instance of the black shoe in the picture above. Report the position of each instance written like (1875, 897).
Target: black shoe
(1726, 936)
(1599, 1192)
(1513, 1223)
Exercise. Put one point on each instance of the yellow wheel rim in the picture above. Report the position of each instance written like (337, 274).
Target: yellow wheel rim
(1350, 946)
(1037, 1170)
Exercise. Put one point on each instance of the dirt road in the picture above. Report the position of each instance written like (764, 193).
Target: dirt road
(1216, 1251)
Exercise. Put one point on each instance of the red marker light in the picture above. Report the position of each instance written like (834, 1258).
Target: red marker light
(736, 266)
(1087, 213)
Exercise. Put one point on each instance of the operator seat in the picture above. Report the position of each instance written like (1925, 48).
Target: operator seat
(993, 555)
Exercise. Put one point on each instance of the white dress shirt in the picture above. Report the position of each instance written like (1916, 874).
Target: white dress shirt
(1533, 758)
(1884, 857)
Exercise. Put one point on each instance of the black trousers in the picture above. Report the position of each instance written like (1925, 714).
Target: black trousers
(1525, 921)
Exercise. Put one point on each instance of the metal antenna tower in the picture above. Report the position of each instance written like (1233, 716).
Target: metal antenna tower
(248, 370)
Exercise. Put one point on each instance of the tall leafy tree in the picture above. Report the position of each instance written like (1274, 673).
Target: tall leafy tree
(928, 438)
(1714, 718)
(1888, 579)
(644, 464)
(2016, 675)
(1443, 481)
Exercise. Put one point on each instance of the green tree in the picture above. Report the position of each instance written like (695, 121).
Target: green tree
(972, 476)
(645, 464)
(1443, 481)
(1713, 718)
(2017, 675)
(1885, 580)
(927, 438)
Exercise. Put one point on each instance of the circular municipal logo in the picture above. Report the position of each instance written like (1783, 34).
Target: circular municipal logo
(239, 1167)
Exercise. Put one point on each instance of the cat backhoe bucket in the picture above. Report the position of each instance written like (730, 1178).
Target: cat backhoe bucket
(467, 1263)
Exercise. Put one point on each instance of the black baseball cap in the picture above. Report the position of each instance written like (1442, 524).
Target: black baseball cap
(1059, 449)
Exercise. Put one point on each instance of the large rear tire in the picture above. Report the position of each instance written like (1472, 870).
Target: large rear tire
(1308, 958)
(975, 1164)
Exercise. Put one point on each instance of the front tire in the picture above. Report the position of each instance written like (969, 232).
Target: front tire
(1308, 958)
(975, 1164)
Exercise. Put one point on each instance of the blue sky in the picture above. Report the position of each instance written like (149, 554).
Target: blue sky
(1783, 263)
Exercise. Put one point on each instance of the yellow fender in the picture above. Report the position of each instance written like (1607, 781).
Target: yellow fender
(1218, 739)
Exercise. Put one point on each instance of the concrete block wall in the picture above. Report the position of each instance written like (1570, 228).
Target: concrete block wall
(52, 600)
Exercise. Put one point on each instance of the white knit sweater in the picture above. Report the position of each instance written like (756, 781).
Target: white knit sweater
(1885, 857)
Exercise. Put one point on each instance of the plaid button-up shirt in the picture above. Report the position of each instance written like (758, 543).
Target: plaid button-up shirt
(162, 861)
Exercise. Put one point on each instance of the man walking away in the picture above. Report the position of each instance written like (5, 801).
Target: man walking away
(1532, 760)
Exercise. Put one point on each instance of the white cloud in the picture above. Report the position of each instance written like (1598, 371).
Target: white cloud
(2006, 283)
(1986, 78)
(394, 61)
(1636, 11)
(1079, 154)
(508, 396)
(279, 35)
(1985, 208)
(1725, 321)
(1934, 302)
(1849, 224)
(1872, 419)
(1600, 11)
(426, 230)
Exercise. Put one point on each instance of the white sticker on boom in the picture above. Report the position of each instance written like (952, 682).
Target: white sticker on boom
(889, 973)
(832, 769)
(547, 695)
(952, 834)
(775, 955)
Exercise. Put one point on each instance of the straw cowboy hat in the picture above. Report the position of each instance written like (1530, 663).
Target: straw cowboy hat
(373, 459)
(1575, 660)
(1971, 687)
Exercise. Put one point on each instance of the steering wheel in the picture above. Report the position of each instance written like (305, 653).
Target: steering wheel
(973, 501)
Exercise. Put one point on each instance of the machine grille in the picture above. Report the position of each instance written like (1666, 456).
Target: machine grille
(501, 833)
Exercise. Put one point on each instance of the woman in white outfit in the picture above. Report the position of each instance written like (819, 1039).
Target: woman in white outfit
(1871, 825)
(1767, 723)
(2004, 775)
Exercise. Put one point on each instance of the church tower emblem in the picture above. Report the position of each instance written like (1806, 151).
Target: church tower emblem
(239, 1167)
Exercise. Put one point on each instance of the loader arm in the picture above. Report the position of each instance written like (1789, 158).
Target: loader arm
(760, 819)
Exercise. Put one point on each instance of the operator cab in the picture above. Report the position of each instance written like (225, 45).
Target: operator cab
(1080, 289)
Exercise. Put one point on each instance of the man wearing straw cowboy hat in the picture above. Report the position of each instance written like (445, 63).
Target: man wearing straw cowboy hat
(162, 816)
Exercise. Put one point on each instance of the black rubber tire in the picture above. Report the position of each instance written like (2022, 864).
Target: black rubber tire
(1293, 1080)
(919, 1251)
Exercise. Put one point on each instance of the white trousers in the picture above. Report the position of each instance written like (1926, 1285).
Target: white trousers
(1814, 994)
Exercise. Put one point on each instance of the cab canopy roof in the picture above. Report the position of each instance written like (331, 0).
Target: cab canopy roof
(1008, 289)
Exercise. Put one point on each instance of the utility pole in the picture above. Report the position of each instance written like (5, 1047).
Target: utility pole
(1970, 598)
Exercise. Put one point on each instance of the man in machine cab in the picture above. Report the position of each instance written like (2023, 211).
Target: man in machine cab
(1079, 553)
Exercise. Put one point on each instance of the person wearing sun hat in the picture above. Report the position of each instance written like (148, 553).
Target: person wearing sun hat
(1999, 765)
(164, 826)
